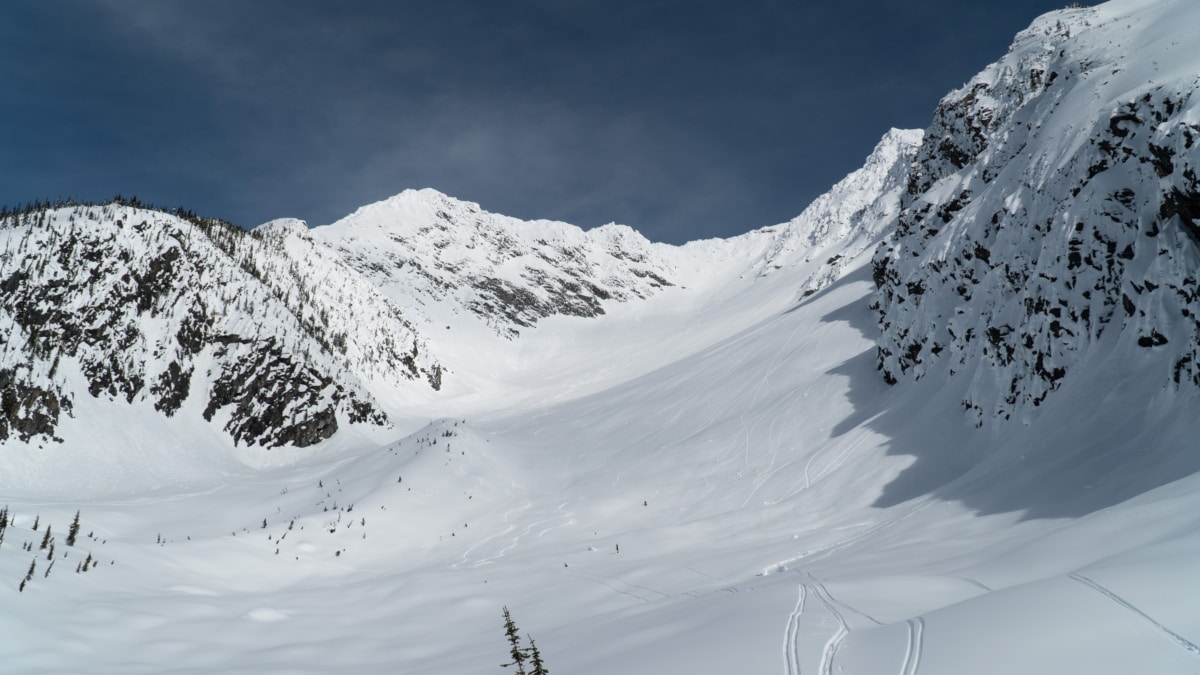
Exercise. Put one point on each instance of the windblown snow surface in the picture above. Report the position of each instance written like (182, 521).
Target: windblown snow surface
(709, 476)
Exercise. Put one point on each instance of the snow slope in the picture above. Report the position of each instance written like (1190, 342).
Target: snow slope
(711, 475)
(742, 486)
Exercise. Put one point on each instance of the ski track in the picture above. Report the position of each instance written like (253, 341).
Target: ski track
(837, 460)
(791, 651)
(1167, 632)
(912, 651)
(727, 585)
(508, 517)
(516, 540)
(829, 653)
(821, 589)
(604, 581)
(774, 437)
(563, 513)
(831, 647)
(824, 551)
(976, 584)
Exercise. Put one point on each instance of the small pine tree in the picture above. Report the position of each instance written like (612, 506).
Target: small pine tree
(535, 659)
(73, 532)
(45, 539)
(516, 652)
(36, 520)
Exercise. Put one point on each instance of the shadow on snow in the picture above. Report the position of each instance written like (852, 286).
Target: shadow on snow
(1090, 446)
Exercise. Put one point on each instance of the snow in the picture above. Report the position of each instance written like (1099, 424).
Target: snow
(708, 476)
(760, 547)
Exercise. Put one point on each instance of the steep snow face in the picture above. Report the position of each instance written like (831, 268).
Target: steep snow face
(1053, 213)
(849, 219)
(426, 249)
(372, 335)
(251, 332)
(540, 310)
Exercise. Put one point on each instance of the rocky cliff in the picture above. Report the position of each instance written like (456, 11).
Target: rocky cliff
(1052, 212)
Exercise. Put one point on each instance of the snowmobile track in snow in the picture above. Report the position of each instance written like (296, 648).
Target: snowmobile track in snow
(1167, 632)
(839, 636)
(912, 651)
(820, 588)
(791, 652)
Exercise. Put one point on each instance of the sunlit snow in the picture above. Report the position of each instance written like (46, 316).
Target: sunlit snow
(710, 476)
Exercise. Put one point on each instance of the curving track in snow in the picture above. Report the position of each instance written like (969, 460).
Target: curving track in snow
(791, 651)
(912, 650)
(1166, 632)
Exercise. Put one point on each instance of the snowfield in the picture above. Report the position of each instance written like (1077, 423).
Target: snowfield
(662, 460)
(768, 513)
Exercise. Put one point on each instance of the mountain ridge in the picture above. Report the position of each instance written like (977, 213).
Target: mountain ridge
(284, 334)
(712, 476)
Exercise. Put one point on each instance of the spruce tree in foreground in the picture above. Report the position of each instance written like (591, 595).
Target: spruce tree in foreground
(535, 659)
(516, 652)
(519, 654)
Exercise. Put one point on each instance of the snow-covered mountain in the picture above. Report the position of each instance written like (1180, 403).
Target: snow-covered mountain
(446, 256)
(189, 317)
(1050, 222)
(852, 217)
(284, 334)
(346, 448)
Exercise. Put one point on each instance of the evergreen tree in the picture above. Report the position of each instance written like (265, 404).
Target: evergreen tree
(535, 659)
(516, 652)
(73, 531)
(45, 539)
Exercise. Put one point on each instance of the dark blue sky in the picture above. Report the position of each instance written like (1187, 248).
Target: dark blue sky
(683, 119)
